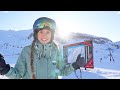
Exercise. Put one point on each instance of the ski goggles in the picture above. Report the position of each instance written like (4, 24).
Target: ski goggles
(42, 25)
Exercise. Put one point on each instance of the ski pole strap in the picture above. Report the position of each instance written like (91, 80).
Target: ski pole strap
(76, 74)
(80, 73)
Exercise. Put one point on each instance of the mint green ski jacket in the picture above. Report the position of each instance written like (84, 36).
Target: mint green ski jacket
(48, 63)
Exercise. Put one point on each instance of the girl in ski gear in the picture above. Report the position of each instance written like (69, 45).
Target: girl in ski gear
(42, 59)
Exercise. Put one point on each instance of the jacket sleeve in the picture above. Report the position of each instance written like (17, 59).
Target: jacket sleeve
(65, 69)
(18, 71)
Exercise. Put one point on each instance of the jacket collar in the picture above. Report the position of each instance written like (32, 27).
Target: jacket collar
(39, 44)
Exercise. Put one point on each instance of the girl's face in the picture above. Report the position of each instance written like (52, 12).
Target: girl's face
(44, 36)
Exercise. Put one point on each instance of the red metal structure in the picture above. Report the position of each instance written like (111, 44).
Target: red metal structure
(71, 52)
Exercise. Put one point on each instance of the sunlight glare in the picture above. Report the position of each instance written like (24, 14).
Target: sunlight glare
(64, 29)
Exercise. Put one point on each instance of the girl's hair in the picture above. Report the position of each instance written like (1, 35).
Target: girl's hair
(32, 59)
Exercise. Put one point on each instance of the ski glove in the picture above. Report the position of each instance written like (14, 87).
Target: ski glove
(4, 68)
(78, 63)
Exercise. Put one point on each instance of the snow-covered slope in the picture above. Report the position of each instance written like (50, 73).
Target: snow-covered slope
(12, 42)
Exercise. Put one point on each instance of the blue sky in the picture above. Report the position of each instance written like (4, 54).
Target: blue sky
(98, 23)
